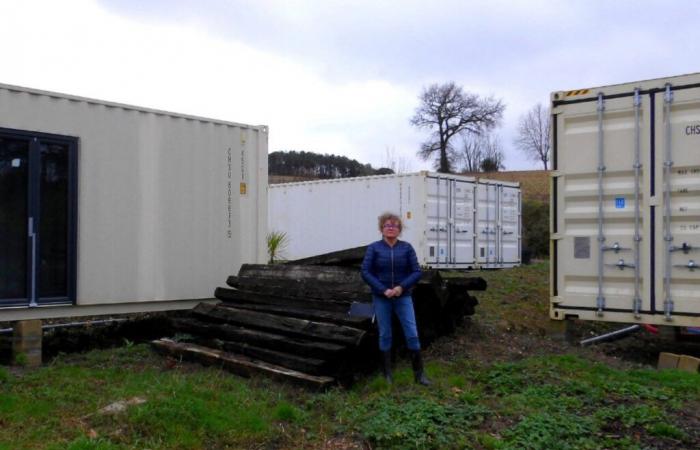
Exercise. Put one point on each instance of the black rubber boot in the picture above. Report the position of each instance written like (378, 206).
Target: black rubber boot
(418, 371)
(386, 367)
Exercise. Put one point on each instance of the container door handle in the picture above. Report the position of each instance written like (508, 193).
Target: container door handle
(615, 248)
(622, 265)
(32, 236)
(692, 265)
(685, 248)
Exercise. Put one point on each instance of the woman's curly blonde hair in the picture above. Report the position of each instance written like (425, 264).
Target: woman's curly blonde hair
(388, 216)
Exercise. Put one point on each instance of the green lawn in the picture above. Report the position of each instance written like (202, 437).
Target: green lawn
(568, 400)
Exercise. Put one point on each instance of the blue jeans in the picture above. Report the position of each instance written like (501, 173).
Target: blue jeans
(403, 308)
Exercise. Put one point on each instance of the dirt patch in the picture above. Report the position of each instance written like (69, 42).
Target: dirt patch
(504, 341)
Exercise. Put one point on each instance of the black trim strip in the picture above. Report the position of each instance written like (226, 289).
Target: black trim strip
(652, 143)
(555, 267)
(652, 259)
(555, 142)
(586, 308)
(624, 94)
(555, 207)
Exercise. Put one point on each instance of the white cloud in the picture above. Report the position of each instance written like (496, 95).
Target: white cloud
(84, 50)
(339, 77)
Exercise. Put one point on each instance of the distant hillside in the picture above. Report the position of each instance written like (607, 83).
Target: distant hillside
(309, 165)
(534, 183)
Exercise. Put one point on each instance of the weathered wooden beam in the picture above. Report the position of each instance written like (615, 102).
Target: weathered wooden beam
(227, 332)
(281, 306)
(331, 273)
(462, 280)
(282, 297)
(279, 324)
(238, 364)
(311, 366)
(347, 257)
(232, 281)
(335, 299)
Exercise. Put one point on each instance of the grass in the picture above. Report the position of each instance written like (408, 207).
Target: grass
(534, 183)
(552, 401)
(518, 297)
(539, 402)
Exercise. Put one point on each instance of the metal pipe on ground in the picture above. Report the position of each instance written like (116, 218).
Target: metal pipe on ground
(612, 336)
(70, 325)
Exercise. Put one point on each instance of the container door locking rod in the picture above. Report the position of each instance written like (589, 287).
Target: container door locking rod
(637, 301)
(600, 301)
(668, 236)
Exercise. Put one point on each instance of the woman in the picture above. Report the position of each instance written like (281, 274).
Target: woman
(391, 269)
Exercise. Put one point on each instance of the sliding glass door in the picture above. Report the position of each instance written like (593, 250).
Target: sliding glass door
(38, 193)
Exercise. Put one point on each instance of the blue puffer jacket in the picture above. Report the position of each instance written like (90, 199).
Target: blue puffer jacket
(385, 267)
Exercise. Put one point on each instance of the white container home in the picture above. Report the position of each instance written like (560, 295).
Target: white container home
(108, 208)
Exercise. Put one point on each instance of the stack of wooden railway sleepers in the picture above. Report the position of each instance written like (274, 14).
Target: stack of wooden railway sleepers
(293, 322)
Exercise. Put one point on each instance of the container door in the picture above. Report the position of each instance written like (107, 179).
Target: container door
(677, 184)
(510, 226)
(601, 206)
(463, 222)
(438, 214)
(487, 225)
(37, 219)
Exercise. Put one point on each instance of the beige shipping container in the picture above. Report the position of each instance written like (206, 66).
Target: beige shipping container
(625, 203)
(108, 208)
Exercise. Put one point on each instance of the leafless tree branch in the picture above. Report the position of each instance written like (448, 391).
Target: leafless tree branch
(533, 134)
(447, 110)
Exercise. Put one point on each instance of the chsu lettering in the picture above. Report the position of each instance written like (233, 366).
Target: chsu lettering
(692, 130)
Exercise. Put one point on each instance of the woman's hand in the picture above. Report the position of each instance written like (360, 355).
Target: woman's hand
(394, 292)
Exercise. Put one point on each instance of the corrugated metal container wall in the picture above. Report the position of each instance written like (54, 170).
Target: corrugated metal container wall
(626, 203)
(439, 213)
(167, 205)
(498, 222)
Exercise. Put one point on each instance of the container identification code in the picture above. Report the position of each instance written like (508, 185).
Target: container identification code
(229, 233)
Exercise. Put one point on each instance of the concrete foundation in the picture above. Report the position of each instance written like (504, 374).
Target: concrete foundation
(689, 363)
(26, 343)
(667, 360)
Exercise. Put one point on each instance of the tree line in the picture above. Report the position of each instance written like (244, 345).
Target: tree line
(316, 165)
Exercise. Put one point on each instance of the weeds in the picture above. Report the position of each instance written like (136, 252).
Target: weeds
(544, 430)
(277, 242)
(417, 422)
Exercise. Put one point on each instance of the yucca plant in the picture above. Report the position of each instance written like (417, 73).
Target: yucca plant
(277, 242)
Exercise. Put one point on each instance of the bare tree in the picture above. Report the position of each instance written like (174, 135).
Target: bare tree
(492, 155)
(471, 152)
(533, 134)
(481, 153)
(399, 164)
(447, 110)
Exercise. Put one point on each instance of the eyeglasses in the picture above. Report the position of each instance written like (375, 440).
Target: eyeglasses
(390, 225)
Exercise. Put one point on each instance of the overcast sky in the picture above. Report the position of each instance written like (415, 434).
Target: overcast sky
(340, 77)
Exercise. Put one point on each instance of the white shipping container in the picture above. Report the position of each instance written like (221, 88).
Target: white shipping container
(625, 203)
(108, 208)
(452, 221)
